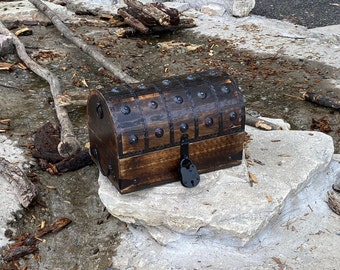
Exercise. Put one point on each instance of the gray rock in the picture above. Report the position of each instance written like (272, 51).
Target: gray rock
(224, 207)
(9, 202)
(179, 6)
(213, 9)
(242, 8)
(6, 45)
(25, 11)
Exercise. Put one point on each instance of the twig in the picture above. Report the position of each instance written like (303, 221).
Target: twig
(69, 145)
(261, 124)
(292, 96)
(98, 56)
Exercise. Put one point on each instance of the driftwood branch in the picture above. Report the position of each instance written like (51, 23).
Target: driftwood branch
(261, 124)
(91, 51)
(69, 145)
(26, 190)
(321, 100)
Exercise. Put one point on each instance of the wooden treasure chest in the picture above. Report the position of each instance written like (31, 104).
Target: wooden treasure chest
(147, 134)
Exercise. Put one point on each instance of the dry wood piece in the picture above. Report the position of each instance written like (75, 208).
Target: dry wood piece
(6, 66)
(161, 17)
(321, 124)
(26, 244)
(261, 124)
(24, 32)
(334, 201)
(69, 145)
(98, 56)
(321, 100)
(26, 190)
(153, 17)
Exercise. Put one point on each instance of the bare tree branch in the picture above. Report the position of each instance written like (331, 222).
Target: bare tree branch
(69, 145)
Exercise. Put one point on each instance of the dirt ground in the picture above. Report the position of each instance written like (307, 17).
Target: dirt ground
(271, 86)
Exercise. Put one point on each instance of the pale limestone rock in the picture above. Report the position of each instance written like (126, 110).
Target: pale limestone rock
(25, 11)
(179, 6)
(213, 9)
(9, 202)
(242, 8)
(224, 207)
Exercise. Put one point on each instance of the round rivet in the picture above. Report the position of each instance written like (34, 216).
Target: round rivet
(212, 72)
(141, 86)
(183, 127)
(99, 110)
(153, 104)
(225, 89)
(125, 109)
(202, 94)
(159, 132)
(94, 153)
(115, 90)
(178, 99)
(191, 77)
(133, 139)
(166, 82)
(208, 122)
(232, 116)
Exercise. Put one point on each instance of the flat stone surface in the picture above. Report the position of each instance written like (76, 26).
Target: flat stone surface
(224, 206)
(25, 11)
(269, 36)
(213, 9)
(8, 199)
(305, 235)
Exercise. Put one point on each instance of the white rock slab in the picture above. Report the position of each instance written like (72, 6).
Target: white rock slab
(25, 11)
(224, 206)
(242, 8)
(213, 9)
(9, 201)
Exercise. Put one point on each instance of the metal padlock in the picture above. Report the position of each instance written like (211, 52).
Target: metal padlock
(188, 171)
(189, 174)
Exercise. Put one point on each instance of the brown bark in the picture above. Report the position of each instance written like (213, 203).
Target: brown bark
(91, 51)
(321, 100)
(131, 20)
(161, 17)
(25, 189)
(69, 145)
(26, 244)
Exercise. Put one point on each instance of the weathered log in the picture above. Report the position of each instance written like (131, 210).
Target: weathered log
(91, 51)
(321, 100)
(161, 17)
(131, 20)
(172, 12)
(261, 124)
(19, 252)
(26, 244)
(26, 190)
(69, 145)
